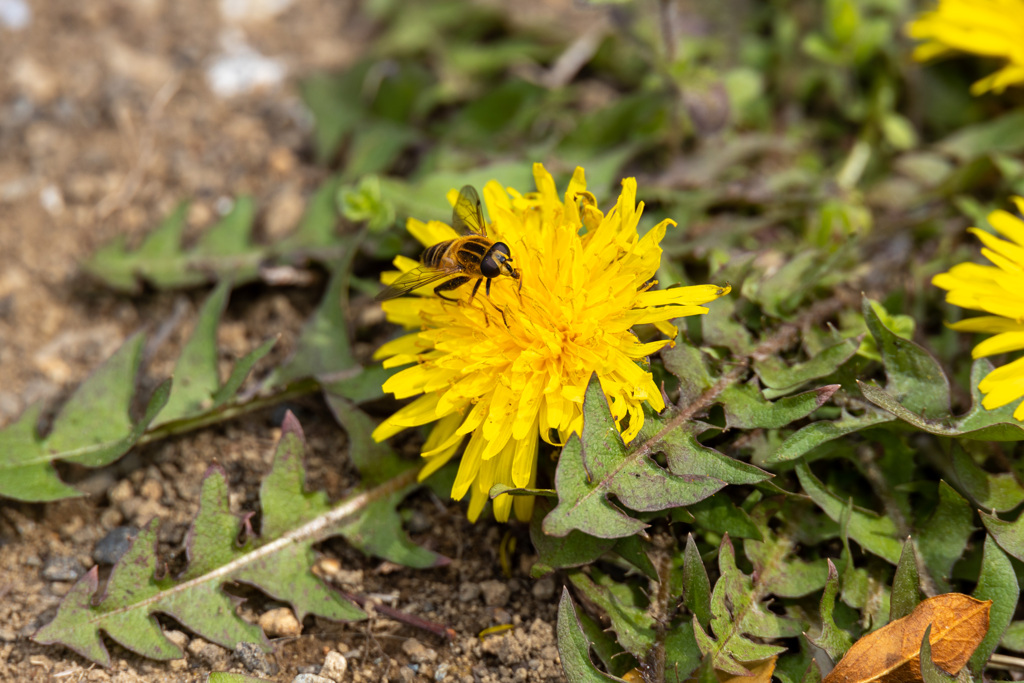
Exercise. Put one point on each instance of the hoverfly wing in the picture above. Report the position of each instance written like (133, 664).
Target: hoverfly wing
(467, 215)
(412, 280)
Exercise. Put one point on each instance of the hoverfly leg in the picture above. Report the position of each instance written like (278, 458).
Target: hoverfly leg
(475, 288)
(454, 283)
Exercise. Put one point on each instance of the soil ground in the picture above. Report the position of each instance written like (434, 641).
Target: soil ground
(107, 121)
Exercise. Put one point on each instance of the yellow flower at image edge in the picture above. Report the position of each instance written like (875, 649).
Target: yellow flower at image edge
(506, 370)
(991, 28)
(998, 290)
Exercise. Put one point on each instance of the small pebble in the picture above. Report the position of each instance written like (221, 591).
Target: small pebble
(544, 589)
(418, 652)
(179, 638)
(121, 492)
(62, 568)
(327, 566)
(214, 655)
(110, 518)
(280, 622)
(151, 489)
(311, 678)
(253, 658)
(469, 591)
(115, 544)
(335, 666)
(60, 588)
(496, 593)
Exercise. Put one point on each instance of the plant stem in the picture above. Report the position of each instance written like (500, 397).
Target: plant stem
(228, 412)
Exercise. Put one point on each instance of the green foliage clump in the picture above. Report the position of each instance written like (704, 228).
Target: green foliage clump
(825, 460)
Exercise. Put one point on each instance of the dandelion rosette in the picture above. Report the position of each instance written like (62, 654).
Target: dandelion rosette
(508, 370)
(991, 28)
(997, 289)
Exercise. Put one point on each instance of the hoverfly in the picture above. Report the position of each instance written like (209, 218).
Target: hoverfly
(474, 256)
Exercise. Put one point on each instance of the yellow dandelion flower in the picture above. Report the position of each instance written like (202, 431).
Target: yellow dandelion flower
(509, 369)
(998, 290)
(991, 28)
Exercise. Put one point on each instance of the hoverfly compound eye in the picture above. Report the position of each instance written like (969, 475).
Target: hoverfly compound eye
(490, 268)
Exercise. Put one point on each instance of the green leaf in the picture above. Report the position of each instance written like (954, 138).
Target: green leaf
(364, 204)
(197, 389)
(317, 228)
(901, 325)
(573, 646)
(832, 639)
(119, 268)
(696, 585)
(602, 641)
(914, 377)
(378, 531)
(222, 677)
(600, 465)
(860, 590)
(94, 422)
(718, 514)
(688, 365)
(779, 571)
(775, 374)
(1002, 134)
(358, 384)
(196, 377)
(876, 534)
(997, 492)
(930, 672)
(806, 439)
(906, 591)
(682, 656)
(798, 667)
(92, 429)
(229, 390)
(746, 408)
(686, 455)
(223, 252)
(720, 328)
(1013, 637)
(976, 424)
(998, 583)
(943, 537)
(278, 563)
(324, 347)
(376, 148)
(625, 608)
(336, 102)
(736, 613)
(637, 551)
(1009, 535)
(26, 470)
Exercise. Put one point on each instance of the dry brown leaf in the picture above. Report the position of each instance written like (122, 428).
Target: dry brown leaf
(760, 672)
(892, 653)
